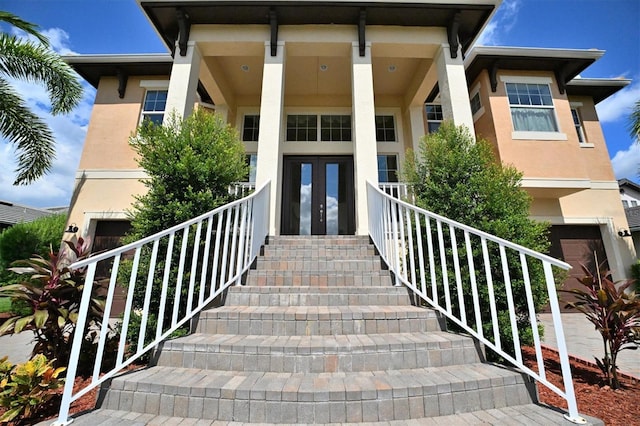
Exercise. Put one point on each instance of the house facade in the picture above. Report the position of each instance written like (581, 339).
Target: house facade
(328, 96)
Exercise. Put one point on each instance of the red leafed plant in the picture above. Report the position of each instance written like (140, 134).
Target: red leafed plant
(53, 292)
(614, 309)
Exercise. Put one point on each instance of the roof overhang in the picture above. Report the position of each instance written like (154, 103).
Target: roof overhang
(565, 63)
(94, 67)
(597, 88)
(472, 16)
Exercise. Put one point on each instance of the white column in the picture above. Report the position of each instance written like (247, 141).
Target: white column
(454, 94)
(364, 133)
(269, 166)
(183, 84)
(416, 119)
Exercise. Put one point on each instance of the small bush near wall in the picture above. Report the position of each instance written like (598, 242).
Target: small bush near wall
(635, 275)
(459, 178)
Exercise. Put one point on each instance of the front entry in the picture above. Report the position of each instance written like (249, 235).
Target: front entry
(318, 196)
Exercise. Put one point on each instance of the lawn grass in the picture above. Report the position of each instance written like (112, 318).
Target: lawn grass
(5, 304)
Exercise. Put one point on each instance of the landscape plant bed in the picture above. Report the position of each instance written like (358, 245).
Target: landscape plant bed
(614, 407)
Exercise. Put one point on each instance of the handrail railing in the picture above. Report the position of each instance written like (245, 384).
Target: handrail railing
(188, 265)
(398, 190)
(422, 250)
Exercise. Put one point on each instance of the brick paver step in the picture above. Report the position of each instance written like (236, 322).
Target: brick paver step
(319, 278)
(317, 354)
(322, 265)
(518, 415)
(313, 253)
(318, 240)
(248, 295)
(318, 398)
(317, 320)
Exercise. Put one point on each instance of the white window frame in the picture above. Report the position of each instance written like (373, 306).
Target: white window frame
(427, 114)
(476, 92)
(242, 128)
(395, 128)
(533, 135)
(152, 85)
(397, 169)
(318, 115)
(577, 107)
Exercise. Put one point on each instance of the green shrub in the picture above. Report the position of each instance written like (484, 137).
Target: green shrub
(26, 387)
(23, 240)
(635, 274)
(462, 180)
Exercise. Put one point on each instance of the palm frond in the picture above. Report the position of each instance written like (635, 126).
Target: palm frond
(634, 122)
(35, 63)
(33, 140)
(25, 26)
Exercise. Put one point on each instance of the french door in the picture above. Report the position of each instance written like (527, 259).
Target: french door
(318, 196)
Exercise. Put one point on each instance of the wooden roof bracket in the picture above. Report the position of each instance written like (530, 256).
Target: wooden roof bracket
(452, 33)
(561, 78)
(122, 83)
(184, 26)
(273, 22)
(493, 76)
(362, 23)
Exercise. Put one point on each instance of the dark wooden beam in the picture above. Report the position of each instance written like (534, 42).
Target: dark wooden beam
(362, 23)
(561, 77)
(273, 22)
(184, 27)
(122, 83)
(452, 33)
(493, 76)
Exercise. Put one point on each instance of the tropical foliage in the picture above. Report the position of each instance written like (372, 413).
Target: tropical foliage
(459, 178)
(25, 387)
(614, 310)
(52, 292)
(34, 62)
(634, 122)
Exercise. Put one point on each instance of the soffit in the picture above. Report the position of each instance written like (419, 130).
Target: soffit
(472, 15)
(596, 88)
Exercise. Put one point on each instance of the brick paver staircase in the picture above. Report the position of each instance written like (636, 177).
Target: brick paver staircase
(319, 335)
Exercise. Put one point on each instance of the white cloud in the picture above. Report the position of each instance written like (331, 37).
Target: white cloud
(501, 23)
(626, 163)
(55, 188)
(619, 106)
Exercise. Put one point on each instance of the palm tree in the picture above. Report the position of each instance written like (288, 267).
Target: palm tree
(634, 122)
(34, 62)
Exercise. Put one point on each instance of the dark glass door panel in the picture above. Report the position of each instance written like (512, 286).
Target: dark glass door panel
(318, 196)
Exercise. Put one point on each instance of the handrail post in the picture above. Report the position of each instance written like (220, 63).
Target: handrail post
(563, 354)
(78, 337)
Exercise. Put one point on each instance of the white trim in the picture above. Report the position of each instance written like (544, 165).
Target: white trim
(91, 219)
(540, 136)
(569, 183)
(561, 220)
(576, 104)
(154, 84)
(525, 79)
(112, 174)
(586, 145)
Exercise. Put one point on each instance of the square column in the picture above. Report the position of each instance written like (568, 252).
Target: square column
(417, 123)
(183, 84)
(269, 166)
(454, 93)
(365, 150)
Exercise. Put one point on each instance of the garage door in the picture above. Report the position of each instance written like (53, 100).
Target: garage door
(577, 245)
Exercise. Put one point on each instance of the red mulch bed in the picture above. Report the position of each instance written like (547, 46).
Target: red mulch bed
(615, 407)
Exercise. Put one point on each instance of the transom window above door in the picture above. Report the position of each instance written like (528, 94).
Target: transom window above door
(304, 128)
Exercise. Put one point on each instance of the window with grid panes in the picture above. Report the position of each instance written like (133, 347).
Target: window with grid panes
(155, 102)
(387, 168)
(302, 128)
(531, 107)
(335, 128)
(250, 128)
(577, 122)
(434, 117)
(385, 128)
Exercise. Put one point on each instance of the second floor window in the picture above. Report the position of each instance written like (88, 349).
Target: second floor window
(155, 102)
(434, 117)
(531, 107)
(250, 128)
(577, 122)
(385, 128)
(304, 128)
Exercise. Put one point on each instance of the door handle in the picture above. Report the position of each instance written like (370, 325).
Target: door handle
(321, 213)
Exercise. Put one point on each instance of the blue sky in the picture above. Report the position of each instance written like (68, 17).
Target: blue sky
(118, 26)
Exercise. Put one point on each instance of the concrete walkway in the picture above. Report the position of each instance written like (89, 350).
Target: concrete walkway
(18, 346)
(585, 342)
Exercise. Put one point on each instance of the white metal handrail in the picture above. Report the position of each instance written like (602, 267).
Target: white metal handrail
(398, 190)
(241, 189)
(422, 250)
(196, 269)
